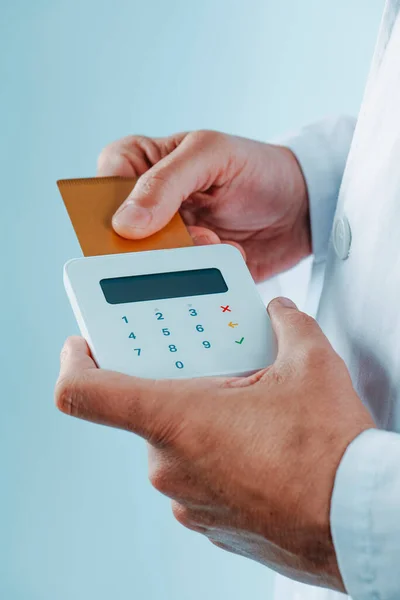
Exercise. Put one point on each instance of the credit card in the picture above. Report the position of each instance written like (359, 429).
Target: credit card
(91, 203)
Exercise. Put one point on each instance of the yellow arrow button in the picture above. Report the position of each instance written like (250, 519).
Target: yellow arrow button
(233, 324)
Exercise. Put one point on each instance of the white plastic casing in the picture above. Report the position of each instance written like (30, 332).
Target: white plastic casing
(195, 336)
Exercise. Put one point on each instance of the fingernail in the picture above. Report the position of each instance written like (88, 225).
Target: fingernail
(133, 216)
(201, 240)
(286, 302)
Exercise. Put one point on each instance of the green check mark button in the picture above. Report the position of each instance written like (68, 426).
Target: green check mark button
(240, 341)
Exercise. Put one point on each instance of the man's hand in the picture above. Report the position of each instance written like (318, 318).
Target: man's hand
(229, 189)
(248, 462)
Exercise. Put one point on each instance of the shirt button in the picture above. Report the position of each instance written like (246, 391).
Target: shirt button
(342, 237)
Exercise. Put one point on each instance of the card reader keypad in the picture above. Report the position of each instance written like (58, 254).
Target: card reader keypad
(180, 335)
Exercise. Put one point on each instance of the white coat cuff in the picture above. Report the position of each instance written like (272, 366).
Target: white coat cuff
(365, 516)
(321, 150)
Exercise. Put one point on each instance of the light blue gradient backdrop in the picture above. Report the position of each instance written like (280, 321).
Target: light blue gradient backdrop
(78, 519)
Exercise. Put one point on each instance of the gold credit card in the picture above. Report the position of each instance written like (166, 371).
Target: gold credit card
(91, 204)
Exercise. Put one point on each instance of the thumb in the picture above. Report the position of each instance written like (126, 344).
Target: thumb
(294, 329)
(158, 194)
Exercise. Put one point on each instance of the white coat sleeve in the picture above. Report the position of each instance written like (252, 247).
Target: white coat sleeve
(365, 516)
(321, 150)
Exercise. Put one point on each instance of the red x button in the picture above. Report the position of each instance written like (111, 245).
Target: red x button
(226, 308)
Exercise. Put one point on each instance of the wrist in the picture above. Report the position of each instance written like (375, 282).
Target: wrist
(331, 574)
(296, 180)
(296, 191)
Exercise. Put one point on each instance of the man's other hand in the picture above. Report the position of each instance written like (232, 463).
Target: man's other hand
(230, 189)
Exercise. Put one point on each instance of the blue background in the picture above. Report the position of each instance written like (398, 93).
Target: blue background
(78, 518)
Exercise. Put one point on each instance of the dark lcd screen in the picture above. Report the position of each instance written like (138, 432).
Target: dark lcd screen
(158, 286)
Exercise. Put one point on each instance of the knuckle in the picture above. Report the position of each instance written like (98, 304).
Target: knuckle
(298, 320)
(105, 154)
(160, 480)
(152, 183)
(183, 515)
(137, 139)
(207, 137)
(66, 395)
(120, 146)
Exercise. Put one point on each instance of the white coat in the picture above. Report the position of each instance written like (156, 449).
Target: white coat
(359, 311)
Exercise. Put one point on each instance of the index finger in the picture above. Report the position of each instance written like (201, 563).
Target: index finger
(150, 408)
(133, 155)
(100, 396)
(75, 355)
